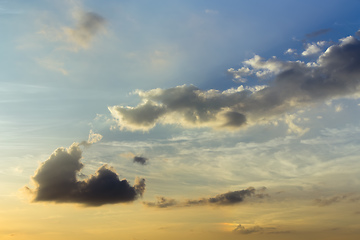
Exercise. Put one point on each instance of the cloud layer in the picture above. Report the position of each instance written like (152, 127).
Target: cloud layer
(56, 181)
(293, 85)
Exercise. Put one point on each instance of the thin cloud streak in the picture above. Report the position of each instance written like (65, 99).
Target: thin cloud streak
(224, 199)
(318, 33)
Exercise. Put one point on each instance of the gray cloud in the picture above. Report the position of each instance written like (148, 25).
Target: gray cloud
(326, 201)
(89, 25)
(224, 199)
(358, 33)
(292, 85)
(318, 33)
(140, 160)
(56, 181)
(162, 202)
(242, 230)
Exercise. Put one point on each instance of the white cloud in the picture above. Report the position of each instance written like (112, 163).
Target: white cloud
(311, 49)
(290, 51)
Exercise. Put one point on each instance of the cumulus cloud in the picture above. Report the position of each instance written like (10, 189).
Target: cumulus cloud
(224, 199)
(89, 24)
(313, 48)
(292, 86)
(141, 160)
(55, 181)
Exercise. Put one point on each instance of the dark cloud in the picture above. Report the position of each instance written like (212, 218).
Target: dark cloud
(140, 160)
(225, 199)
(228, 198)
(89, 25)
(242, 230)
(318, 33)
(56, 181)
(292, 86)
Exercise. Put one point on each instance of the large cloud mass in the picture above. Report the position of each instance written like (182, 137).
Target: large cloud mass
(295, 84)
(56, 181)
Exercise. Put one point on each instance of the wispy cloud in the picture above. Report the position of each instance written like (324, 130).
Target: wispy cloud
(326, 201)
(88, 25)
(211, 11)
(52, 64)
(318, 33)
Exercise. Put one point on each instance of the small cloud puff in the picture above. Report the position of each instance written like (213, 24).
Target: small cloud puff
(140, 160)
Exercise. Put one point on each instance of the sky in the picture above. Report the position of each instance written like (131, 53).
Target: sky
(154, 120)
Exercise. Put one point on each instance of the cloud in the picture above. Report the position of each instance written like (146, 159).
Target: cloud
(336, 199)
(328, 201)
(224, 199)
(291, 51)
(318, 33)
(88, 25)
(140, 160)
(358, 33)
(313, 48)
(211, 11)
(56, 181)
(293, 85)
(93, 138)
(162, 202)
(53, 65)
(242, 230)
